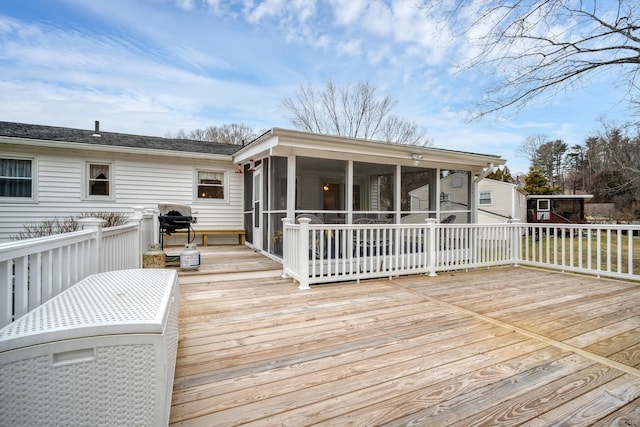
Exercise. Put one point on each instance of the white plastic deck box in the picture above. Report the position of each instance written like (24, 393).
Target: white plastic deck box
(102, 352)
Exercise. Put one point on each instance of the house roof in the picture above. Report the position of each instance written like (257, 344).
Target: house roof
(113, 139)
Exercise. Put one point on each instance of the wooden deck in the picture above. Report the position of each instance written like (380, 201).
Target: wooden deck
(504, 346)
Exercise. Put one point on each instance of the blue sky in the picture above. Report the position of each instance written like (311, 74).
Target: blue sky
(153, 67)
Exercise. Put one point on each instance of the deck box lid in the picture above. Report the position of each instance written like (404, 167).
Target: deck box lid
(111, 303)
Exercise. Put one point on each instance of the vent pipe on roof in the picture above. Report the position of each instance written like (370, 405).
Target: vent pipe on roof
(96, 132)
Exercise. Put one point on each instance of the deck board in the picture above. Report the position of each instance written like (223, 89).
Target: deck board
(501, 346)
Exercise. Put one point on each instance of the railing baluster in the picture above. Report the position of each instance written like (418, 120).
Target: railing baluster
(21, 286)
(609, 243)
(56, 271)
(47, 282)
(630, 253)
(580, 251)
(6, 292)
(35, 280)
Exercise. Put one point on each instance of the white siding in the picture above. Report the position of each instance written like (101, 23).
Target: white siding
(508, 202)
(138, 180)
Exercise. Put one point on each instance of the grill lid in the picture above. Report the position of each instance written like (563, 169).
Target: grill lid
(182, 210)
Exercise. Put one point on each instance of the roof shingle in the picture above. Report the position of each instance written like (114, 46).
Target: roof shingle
(53, 133)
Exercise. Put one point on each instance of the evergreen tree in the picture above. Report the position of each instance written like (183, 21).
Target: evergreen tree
(536, 183)
(503, 175)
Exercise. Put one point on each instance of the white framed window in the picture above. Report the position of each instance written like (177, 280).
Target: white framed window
(211, 185)
(17, 179)
(544, 205)
(444, 197)
(485, 198)
(98, 180)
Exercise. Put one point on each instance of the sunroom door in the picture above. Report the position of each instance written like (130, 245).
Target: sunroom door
(257, 208)
(544, 210)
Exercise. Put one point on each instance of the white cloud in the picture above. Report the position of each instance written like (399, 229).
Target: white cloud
(193, 63)
(351, 47)
(348, 12)
(296, 10)
(185, 4)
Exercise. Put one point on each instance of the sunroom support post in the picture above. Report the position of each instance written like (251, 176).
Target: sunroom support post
(349, 184)
(397, 194)
(291, 186)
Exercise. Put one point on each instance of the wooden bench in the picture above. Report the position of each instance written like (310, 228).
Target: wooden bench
(206, 233)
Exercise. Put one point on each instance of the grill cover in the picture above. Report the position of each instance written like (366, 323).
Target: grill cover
(174, 209)
(174, 216)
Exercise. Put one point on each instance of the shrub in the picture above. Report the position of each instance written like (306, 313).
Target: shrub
(113, 219)
(69, 224)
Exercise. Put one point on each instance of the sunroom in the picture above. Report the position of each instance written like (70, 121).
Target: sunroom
(339, 180)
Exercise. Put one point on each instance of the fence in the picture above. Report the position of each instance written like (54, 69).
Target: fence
(321, 253)
(33, 271)
(602, 250)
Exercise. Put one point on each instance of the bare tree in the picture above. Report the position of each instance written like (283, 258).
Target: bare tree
(198, 134)
(234, 133)
(530, 146)
(621, 157)
(545, 46)
(395, 128)
(355, 111)
(180, 134)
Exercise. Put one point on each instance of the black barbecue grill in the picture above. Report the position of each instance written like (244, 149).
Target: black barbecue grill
(175, 217)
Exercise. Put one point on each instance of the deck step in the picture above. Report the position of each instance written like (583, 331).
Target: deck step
(190, 277)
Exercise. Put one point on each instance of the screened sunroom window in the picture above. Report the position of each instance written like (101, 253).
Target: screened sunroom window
(210, 185)
(16, 178)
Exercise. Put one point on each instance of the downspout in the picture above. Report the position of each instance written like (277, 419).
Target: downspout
(474, 191)
(514, 194)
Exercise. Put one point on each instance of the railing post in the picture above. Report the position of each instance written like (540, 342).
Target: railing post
(137, 220)
(149, 229)
(285, 246)
(431, 250)
(95, 252)
(516, 241)
(303, 245)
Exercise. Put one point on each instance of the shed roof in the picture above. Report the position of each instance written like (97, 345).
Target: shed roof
(84, 136)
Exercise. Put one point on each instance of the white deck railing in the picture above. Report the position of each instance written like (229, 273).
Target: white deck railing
(35, 270)
(321, 253)
(602, 250)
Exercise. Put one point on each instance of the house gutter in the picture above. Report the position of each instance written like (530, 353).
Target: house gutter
(474, 191)
(112, 148)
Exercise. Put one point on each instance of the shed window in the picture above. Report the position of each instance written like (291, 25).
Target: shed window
(16, 178)
(99, 182)
(486, 198)
(211, 185)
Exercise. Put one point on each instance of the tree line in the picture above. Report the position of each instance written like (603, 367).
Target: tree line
(606, 165)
